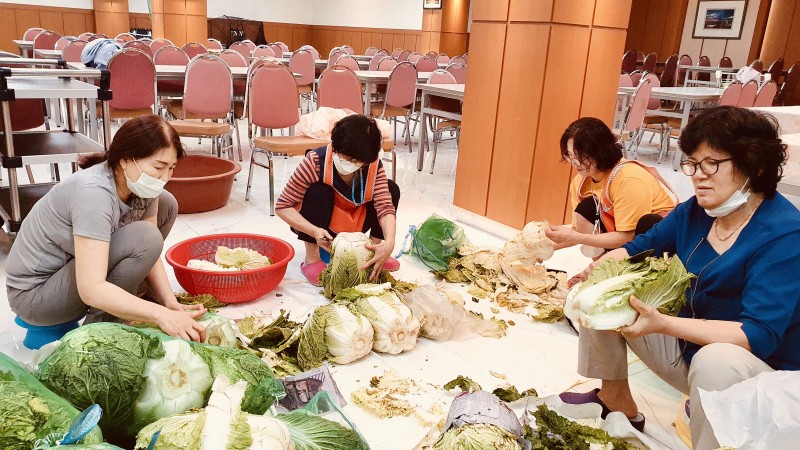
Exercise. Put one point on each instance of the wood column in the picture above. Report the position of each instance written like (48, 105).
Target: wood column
(445, 30)
(180, 21)
(111, 17)
(535, 66)
(782, 35)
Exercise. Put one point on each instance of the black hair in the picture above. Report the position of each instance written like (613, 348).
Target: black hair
(593, 142)
(750, 138)
(137, 138)
(358, 137)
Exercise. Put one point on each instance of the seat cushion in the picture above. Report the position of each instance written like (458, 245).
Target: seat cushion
(304, 89)
(290, 145)
(448, 124)
(175, 107)
(195, 128)
(125, 113)
(391, 111)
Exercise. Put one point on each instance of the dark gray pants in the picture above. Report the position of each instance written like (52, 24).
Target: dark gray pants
(133, 250)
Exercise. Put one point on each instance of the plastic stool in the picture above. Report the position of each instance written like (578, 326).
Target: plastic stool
(37, 336)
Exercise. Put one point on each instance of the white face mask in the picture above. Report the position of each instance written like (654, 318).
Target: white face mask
(344, 167)
(146, 186)
(734, 202)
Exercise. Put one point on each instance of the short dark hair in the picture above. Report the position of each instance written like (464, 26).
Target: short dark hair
(750, 138)
(137, 138)
(358, 137)
(592, 141)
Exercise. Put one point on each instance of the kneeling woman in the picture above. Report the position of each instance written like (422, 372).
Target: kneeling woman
(95, 238)
(342, 188)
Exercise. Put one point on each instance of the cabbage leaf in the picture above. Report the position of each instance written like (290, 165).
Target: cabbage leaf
(311, 432)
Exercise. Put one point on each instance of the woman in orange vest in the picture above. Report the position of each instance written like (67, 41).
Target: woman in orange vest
(613, 199)
(342, 188)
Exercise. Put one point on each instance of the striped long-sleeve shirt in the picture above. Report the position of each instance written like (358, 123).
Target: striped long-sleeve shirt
(308, 173)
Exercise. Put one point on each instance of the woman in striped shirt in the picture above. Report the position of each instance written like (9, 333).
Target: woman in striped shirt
(342, 188)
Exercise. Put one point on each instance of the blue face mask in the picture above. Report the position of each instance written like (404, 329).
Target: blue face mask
(146, 186)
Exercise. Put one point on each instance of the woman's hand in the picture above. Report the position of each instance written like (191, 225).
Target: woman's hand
(177, 306)
(183, 323)
(650, 320)
(382, 251)
(562, 236)
(323, 238)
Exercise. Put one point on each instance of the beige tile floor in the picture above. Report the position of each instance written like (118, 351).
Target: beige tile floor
(422, 194)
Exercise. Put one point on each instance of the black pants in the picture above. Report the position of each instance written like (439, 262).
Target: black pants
(587, 208)
(318, 208)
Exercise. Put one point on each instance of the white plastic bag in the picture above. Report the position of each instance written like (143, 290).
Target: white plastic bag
(437, 312)
(319, 124)
(746, 74)
(759, 413)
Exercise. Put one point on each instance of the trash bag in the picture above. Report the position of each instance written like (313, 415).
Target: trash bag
(438, 313)
(436, 241)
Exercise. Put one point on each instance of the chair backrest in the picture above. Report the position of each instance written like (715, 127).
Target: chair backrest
(442, 59)
(432, 54)
(277, 50)
(208, 91)
(403, 56)
(629, 61)
(349, 50)
(654, 103)
(133, 79)
(334, 50)
(31, 33)
(459, 71)
(284, 47)
(426, 64)
(414, 57)
(233, 58)
(636, 76)
(758, 65)
(680, 77)
(241, 48)
(726, 61)
(387, 64)
(25, 113)
(273, 102)
(383, 52)
(333, 59)
(158, 43)
(311, 49)
(670, 66)
(730, 97)
(349, 62)
(650, 62)
(776, 69)
(339, 88)
(250, 44)
(61, 43)
(85, 36)
(139, 45)
(46, 40)
(749, 92)
(302, 62)
(401, 90)
(263, 50)
(171, 56)
(458, 60)
(370, 51)
(790, 94)
(193, 49)
(441, 76)
(625, 80)
(766, 95)
(213, 44)
(376, 59)
(704, 61)
(72, 52)
(97, 36)
(396, 52)
(639, 57)
(639, 106)
(124, 37)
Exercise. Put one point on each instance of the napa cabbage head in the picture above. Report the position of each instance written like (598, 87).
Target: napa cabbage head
(478, 436)
(348, 256)
(602, 301)
(334, 333)
(396, 328)
(219, 331)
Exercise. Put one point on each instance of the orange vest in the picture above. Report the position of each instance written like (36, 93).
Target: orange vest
(607, 206)
(347, 215)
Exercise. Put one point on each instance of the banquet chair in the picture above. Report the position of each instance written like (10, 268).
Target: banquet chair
(459, 71)
(396, 52)
(758, 65)
(704, 61)
(284, 47)
(668, 75)
(766, 95)
(370, 51)
(426, 64)
(139, 45)
(636, 76)
(789, 94)
(633, 128)
(376, 59)
(401, 92)
(349, 62)
(31, 33)
(442, 59)
(250, 45)
(629, 61)
(403, 56)
(649, 64)
(158, 43)
(72, 52)
(458, 60)
(349, 50)
(680, 77)
(725, 61)
(334, 56)
(262, 51)
(45, 40)
(169, 91)
(62, 42)
(241, 48)
(133, 82)
(748, 96)
(193, 49)
(213, 44)
(776, 70)
(85, 36)
(302, 62)
(414, 57)
(441, 76)
(122, 38)
(339, 88)
(311, 49)
(277, 50)
(208, 95)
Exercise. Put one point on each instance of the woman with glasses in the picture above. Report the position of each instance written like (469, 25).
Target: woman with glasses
(741, 240)
(613, 199)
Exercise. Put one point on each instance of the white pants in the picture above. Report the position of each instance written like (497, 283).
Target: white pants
(715, 367)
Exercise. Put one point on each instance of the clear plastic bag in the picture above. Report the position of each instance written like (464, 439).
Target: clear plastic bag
(438, 313)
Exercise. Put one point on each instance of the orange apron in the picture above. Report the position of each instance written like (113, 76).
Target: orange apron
(607, 206)
(347, 215)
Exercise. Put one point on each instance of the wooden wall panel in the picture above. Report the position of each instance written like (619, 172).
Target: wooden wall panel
(531, 11)
(602, 76)
(568, 50)
(490, 10)
(112, 16)
(52, 20)
(480, 116)
(612, 13)
(8, 30)
(518, 113)
(671, 41)
(453, 43)
(140, 20)
(15, 19)
(26, 18)
(175, 28)
(651, 41)
(655, 26)
(196, 29)
(578, 12)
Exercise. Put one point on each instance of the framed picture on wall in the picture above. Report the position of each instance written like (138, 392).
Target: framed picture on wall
(719, 19)
(431, 4)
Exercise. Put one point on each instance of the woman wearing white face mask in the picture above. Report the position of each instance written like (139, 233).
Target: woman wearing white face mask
(741, 240)
(342, 188)
(95, 238)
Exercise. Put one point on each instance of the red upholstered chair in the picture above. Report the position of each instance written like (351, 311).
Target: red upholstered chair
(629, 61)
(649, 64)
(749, 93)
(193, 49)
(133, 81)
(213, 44)
(766, 95)
(139, 45)
(72, 52)
(158, 43)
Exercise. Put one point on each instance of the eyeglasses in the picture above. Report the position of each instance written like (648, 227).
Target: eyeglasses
(576, 163)
(708, 166)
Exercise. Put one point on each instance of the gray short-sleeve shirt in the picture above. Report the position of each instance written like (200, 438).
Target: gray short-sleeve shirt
(85, 204)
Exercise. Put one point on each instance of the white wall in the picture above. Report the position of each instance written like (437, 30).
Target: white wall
(398, 14)
(83, 4)
(737, 50)
(283, 11)
(138, 6)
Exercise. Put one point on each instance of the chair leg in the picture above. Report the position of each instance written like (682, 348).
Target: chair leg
(271, 186)
(394, 165)
(250, 175)
(238, 139)
(436, 137)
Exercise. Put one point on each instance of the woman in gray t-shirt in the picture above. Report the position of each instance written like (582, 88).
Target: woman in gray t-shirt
(94, 239)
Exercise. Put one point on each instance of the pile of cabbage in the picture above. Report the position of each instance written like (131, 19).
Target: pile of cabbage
(602, 301)
(231, 259)
(348, 257)
(139, 375)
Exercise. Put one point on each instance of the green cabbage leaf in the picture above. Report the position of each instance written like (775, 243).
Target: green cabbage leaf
(311, 432)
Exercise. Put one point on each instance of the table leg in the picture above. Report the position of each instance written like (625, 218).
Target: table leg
(367, 94)
(94, 132)
(423, 132)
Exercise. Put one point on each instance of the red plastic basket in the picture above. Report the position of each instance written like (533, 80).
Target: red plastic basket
(236, 286)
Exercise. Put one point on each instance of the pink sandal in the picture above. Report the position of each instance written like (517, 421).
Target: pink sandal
(391, 264)
(312, 271)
